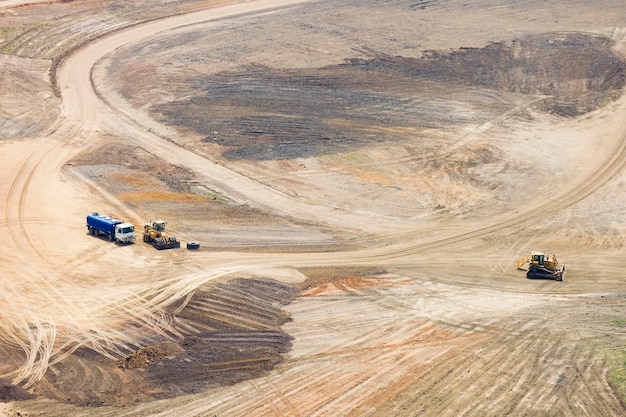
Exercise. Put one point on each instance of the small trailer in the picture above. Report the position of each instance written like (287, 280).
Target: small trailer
(114, 230)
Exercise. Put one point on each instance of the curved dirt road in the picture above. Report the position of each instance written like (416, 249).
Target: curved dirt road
(608, 163)
(83, 106)
(33, 188)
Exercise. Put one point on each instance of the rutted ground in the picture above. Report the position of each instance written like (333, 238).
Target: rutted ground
(220, 335)
(380, 343)
(473, 145)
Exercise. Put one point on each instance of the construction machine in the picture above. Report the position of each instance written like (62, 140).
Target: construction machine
(541, 266)
(154, 233)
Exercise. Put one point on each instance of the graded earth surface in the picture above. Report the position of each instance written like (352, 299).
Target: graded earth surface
(361, 178)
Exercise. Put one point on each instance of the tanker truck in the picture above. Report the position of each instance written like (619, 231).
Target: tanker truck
(101, 225)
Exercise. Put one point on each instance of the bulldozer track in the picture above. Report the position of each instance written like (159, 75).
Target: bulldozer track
(425, 350)
(247, 189)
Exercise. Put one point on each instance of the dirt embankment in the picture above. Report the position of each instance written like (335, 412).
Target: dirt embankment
(225, 333)
(147, 182)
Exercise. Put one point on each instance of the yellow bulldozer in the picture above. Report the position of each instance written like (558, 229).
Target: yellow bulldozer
(154, 233)
(541, 266)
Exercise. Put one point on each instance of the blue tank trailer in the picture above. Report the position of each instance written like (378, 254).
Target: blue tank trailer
(114, 230)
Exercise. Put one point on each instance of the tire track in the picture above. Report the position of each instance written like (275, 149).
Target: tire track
(344, 386)
(610, 168)
(315, 383)
(469, 369)
(14, 203)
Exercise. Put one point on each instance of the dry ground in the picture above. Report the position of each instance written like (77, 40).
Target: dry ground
(361, 176)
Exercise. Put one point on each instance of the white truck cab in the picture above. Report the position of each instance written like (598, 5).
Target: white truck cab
(124, 232)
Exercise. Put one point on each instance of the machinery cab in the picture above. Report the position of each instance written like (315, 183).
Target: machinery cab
(537, 258)
(159, 225)
(545, 260)
(154, 229)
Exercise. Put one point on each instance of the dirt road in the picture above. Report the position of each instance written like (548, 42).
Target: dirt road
(408, 299)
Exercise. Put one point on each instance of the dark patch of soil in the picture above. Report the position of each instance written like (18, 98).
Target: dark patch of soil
(217, 358)
(258, 113)
(579, 71)
(237, 337)
(10, 392)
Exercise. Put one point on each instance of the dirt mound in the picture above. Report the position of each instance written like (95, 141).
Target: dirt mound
(143, 357)
(217, 358)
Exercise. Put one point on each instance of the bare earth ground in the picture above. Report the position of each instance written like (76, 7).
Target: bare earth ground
(361, 177)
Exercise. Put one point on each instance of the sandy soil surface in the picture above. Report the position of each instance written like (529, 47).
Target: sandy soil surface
(361, 177)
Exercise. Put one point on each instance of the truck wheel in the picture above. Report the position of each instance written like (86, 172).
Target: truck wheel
(193, 245)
